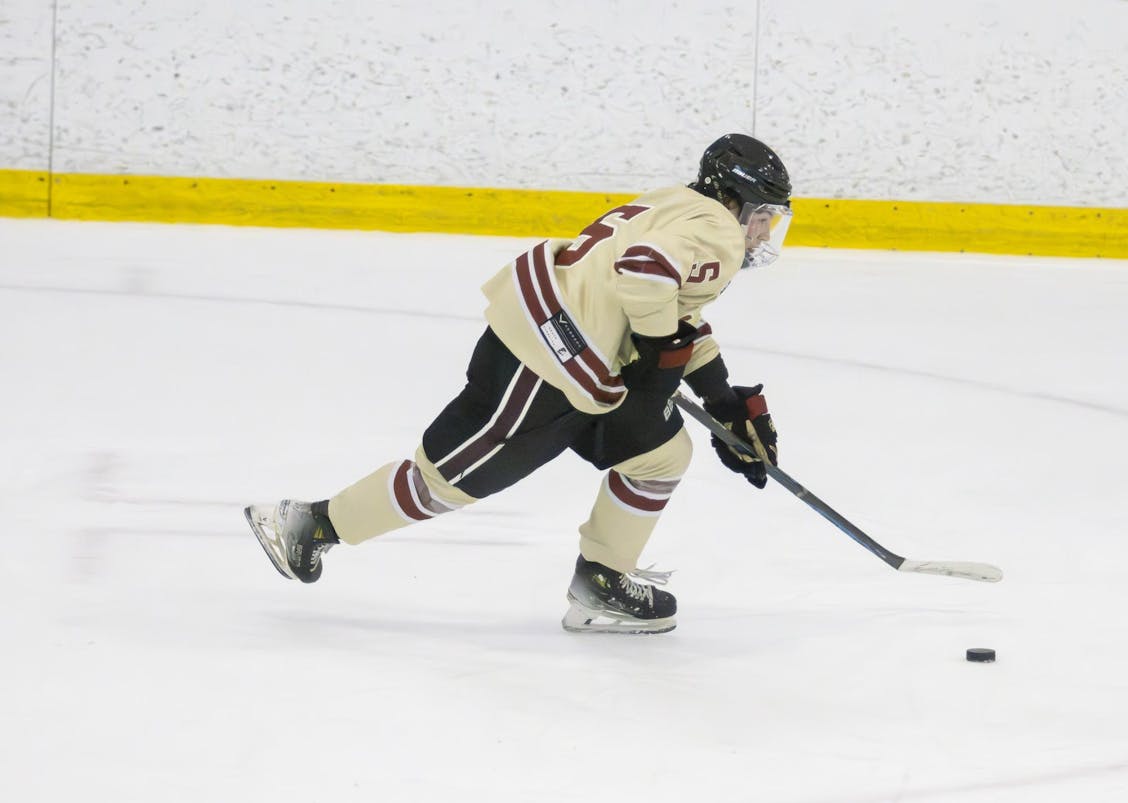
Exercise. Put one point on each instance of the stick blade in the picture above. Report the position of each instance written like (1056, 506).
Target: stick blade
(984, 572)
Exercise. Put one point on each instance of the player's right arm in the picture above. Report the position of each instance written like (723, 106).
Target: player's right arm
(649, 274)
(656, 281)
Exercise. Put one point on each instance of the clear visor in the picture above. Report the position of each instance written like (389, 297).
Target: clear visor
(765, 226)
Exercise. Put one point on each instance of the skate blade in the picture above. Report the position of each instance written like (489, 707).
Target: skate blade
(582, 619)
(271, 542)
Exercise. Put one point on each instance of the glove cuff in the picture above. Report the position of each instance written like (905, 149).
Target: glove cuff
(757, 405)
(676, 357)
(669, 351)
(710, 382)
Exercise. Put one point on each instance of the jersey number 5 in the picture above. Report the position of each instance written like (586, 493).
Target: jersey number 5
(595, 233)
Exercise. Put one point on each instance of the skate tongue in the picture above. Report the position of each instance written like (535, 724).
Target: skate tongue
(651, 576)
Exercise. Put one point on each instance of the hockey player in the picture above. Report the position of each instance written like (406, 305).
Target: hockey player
(588, 340)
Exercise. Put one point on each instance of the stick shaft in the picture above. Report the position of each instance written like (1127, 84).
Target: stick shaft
(834, 517)
(822, 508)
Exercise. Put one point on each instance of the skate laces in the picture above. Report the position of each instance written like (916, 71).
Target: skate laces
(643, 591)
(651, 576)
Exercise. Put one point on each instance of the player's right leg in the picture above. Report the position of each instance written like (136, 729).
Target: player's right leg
(504, 424)
(296, 534)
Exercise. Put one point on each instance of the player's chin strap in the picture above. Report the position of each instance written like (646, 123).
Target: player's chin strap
(969, 571)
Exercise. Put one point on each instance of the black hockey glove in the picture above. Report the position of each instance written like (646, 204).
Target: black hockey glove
(661, 361)
(745, 412)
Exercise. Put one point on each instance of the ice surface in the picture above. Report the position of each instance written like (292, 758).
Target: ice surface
(157, 378)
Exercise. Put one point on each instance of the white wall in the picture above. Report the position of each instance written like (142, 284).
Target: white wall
(25, 84)
(1010, 101)
(1016, 101)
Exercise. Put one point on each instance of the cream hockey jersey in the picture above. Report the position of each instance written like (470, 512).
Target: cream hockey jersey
(567, 308)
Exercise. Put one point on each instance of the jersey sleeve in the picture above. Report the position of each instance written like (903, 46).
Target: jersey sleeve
(705, 348)
(649, 275)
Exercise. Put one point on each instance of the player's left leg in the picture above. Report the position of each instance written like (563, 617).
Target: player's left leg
(631, 497)
(609, 593)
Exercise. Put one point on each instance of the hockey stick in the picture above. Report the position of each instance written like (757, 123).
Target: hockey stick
(970, 571)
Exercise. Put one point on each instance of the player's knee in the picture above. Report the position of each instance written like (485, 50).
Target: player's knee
(667, 462)
(681, 452)
(436, 485)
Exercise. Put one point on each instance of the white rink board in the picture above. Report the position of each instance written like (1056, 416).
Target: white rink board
(955, 407)
(1022, 102)
(543, 95)
(25, 84)
(1013, 101)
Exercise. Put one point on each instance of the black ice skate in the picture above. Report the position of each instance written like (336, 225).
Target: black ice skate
(293, 536)
(606, 601)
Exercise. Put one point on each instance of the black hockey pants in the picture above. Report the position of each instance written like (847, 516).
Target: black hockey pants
(507, 422)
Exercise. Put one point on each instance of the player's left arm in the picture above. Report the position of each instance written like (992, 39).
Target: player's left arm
(744, 410)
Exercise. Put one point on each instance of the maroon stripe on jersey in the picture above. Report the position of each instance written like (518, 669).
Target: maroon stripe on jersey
(649, 261)
(525, 283)
(471, 452)
(621, 489)
(612, 387)
(576, 371)
(533, 277)
(611, 384)
(544, 282)
(401, 489)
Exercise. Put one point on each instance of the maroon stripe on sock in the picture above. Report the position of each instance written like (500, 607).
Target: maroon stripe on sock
(622, 491)
(402, 492)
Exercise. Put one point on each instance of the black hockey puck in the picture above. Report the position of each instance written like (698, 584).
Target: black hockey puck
(981, 655)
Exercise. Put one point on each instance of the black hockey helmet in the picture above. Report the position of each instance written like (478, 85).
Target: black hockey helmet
(744, 169)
